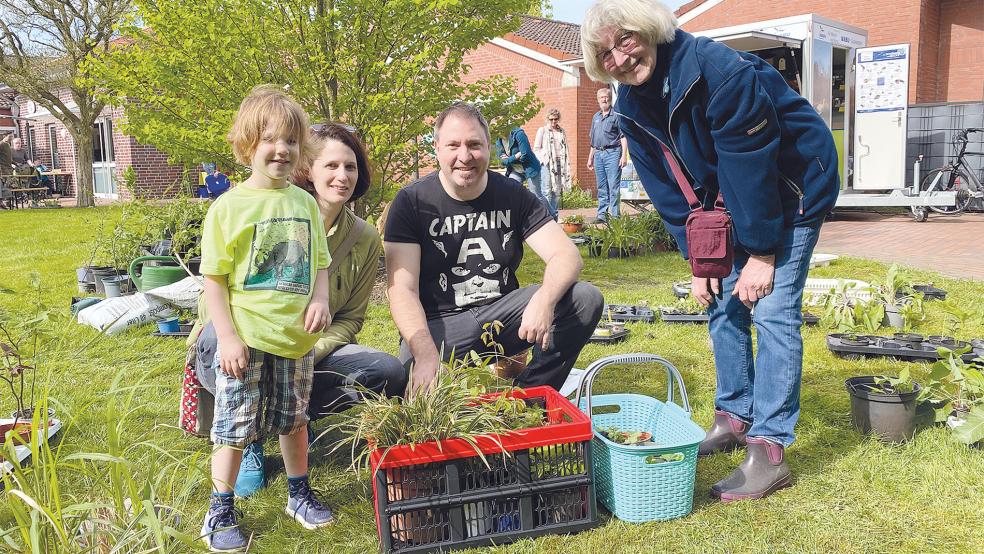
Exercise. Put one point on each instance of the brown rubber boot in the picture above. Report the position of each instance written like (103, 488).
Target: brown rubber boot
(763, 472)
(726, 434)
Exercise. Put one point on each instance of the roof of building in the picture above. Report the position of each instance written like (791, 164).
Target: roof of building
(559, 39)
(688, 6)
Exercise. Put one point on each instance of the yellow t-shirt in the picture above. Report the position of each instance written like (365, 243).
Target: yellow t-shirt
(270, 244)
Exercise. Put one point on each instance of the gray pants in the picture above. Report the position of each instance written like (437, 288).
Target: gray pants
(575, 317)
(340, 376)
(335, 376)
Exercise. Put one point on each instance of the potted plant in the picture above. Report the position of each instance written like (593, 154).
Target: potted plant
(629, 438)
(621, 237)
(900, 302)
(956, 391)
(573, 223)
(847, 313)
(596, 240)
(18, 349)
(884, 406)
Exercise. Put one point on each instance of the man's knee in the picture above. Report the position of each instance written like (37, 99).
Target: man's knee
(588, 301)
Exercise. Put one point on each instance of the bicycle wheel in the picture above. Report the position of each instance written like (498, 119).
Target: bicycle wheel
(939, 179)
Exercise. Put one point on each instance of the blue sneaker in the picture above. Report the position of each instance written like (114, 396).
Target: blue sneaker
(251, 475)
(221, 528)
(307, 510)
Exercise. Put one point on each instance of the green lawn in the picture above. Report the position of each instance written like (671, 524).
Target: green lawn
(851, 494)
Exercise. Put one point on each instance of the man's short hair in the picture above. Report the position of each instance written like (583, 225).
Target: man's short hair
(606, 90)
(267, 107)
(463, 110)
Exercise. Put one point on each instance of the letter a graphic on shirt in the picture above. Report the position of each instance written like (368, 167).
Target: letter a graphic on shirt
(474, 247)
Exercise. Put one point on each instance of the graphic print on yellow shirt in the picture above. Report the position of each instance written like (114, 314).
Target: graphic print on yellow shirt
(279, 256)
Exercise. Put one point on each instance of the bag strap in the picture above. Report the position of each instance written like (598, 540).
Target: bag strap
(343, 249)
(684, 185)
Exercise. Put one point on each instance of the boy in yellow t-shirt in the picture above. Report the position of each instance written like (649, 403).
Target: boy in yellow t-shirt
(264, 258)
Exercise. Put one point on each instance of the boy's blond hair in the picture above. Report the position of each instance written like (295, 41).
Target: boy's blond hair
(267, 107)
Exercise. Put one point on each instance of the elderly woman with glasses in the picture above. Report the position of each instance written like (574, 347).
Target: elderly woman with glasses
(336, 174)
(697, 112)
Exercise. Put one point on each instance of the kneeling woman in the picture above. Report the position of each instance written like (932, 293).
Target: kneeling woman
(338, 173)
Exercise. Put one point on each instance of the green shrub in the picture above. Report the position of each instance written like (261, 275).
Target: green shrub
(576, 198)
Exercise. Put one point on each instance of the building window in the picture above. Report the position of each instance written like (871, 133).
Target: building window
(102, 141)
(53, 145)
(30, 143)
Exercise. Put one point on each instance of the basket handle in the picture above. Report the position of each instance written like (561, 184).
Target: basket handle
(587, 380)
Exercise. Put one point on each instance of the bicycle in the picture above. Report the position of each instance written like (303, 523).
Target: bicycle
(956, 177)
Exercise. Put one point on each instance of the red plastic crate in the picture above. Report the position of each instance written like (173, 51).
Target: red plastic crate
(440, 497)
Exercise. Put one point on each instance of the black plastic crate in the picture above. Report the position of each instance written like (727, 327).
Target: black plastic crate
(466, 502)
(611, 339)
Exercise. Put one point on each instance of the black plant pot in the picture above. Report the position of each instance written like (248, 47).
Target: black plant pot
(618, 253)
(890, 416)
(594, 249)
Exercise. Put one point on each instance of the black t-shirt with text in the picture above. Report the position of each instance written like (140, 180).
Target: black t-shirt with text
(469, 251)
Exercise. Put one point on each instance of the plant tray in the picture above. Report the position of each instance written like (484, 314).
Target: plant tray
(615, 337)
(681, 289)
(810, 319)
(930, 292)
(913, 348)
(23, 451)
(670, 317)
(622, 313)
(184, 331)
(578, 239)
(437, 497)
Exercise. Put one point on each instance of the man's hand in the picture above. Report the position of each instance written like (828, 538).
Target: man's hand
(233, 356)
(623, 160)
(537, 320)
(316, 315)
(704, 289)
(422, 375)
(591, 162)
(755, 281)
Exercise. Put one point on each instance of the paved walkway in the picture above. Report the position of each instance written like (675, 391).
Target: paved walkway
(951, 245)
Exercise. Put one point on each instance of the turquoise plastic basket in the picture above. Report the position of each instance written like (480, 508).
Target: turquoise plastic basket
(629, 487)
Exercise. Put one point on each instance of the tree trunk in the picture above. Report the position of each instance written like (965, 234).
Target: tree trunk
(83, 169)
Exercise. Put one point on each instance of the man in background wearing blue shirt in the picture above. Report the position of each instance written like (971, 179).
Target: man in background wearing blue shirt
(607, 156)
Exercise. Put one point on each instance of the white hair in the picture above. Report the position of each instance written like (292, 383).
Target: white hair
(654, 22)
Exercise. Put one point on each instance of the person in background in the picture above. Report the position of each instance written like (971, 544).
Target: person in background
(6, 156)
(551, 149)
(694, 110)
(522, 164)
(607, 156)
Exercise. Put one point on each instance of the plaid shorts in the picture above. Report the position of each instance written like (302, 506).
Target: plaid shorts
(273, 396)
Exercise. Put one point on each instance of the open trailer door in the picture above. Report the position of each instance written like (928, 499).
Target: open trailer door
(881, 108)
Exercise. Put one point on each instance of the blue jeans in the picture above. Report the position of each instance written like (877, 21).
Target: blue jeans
(608, 176)
(764, 392)
(540, 186)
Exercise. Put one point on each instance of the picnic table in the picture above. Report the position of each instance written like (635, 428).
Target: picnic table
(32, 194)
(55, 174)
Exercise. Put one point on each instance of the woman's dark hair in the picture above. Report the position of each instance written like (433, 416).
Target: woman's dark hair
(321, 133)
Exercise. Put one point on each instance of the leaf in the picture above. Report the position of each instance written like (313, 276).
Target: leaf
(972, 429)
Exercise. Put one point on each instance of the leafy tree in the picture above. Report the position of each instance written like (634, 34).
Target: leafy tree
(385, 66)
(542, 9)
(45, 48)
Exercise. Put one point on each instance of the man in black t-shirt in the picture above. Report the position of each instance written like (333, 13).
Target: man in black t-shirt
(453, 241)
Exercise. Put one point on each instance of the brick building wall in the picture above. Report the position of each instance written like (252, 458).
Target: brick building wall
(946, 37)
(961, 60)
(155, 176)
(575, 98)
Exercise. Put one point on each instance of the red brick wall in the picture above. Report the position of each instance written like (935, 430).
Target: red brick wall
(895, 22)
(576, 103)
(946, 37)
(961, 51)
(155, 176)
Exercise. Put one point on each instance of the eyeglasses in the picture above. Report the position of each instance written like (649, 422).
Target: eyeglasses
(624, 44)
